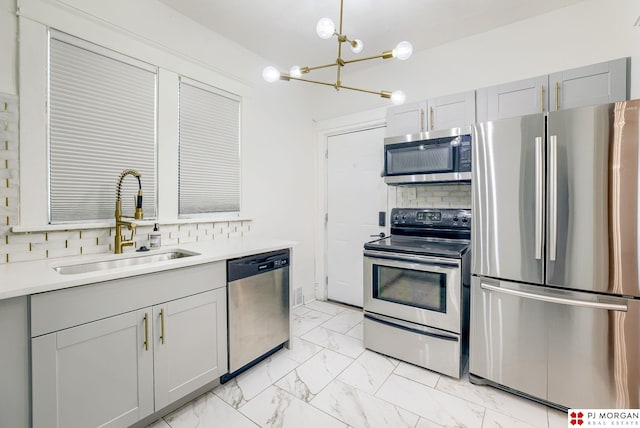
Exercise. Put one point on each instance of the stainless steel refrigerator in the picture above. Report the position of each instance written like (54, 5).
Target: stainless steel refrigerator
(555, 297)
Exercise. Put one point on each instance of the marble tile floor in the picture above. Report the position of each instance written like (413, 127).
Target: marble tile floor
(329, 380)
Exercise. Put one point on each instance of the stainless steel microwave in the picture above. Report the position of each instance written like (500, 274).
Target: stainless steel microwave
(435, 156)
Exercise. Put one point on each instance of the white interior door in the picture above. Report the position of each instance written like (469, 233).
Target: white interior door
(355, 194)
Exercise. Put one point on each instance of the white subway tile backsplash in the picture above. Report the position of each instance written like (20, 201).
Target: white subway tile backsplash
(95, 233)
(63, 235)
(64, 252)
(104, 240)
(77, 243)
(26, 238)
(49, 245)
(167, 229)
(452, 195)
(16, 256)
(24, 247)
(188, 228)
(96, 249)
(170, 241)
(187, 239)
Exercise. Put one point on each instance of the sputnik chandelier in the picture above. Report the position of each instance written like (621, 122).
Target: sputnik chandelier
(327, 29)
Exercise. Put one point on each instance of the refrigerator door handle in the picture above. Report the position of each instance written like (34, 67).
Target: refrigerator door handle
(539, 201)
(553, 299)
(553, 197)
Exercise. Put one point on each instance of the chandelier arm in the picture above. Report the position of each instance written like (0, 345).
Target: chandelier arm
(383, 55)
(333, 85)
(383, 94)
(317, 67)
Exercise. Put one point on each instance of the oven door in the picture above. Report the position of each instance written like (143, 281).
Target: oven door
(419, 289)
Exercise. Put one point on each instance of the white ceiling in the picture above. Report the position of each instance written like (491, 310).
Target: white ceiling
(283, 31)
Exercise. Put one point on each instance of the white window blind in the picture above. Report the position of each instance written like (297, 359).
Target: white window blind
(209, 152)
(102, 120)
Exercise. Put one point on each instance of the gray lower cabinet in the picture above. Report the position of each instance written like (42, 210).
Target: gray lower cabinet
(190, 344)
(96, 374)
(14, 363)
(102, 358)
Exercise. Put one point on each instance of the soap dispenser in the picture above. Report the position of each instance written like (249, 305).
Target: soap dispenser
(155, 237)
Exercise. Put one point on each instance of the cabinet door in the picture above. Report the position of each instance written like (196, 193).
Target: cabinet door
(406, 119)
(96, 374)
(452, 111)
(601, 83)
(191, 347)
(519, 98)
(593, 351)
(508, 336)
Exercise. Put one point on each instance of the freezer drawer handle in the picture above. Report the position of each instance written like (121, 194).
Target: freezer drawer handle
(552, 299)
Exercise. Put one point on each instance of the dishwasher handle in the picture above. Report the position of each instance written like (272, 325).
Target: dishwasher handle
(256, 264)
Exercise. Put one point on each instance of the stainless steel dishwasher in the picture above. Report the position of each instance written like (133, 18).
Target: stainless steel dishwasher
(258, 308)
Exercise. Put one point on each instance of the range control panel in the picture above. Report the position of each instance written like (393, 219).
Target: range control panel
(451, 218)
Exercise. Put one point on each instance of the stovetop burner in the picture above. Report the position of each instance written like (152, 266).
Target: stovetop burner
(442, 232)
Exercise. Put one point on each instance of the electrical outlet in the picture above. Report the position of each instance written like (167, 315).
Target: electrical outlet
(297, 296)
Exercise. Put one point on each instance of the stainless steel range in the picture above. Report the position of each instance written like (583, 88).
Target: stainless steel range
(416, 289)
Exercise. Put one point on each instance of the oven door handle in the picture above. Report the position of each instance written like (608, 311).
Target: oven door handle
(425, 331)
(409, 258)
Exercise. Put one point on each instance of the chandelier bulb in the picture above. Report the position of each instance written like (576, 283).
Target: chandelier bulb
(357, 46)
(270, 74)
(398, 97)
(403, 50)
(325, 28)
(295, 71)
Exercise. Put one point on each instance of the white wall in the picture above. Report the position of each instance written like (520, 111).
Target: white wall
(588, 32)
(8, 48)
(277, 133)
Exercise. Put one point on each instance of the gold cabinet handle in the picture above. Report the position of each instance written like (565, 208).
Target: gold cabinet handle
(421, 119)
(557, 95)
(431, 118)
(542, 99)
(146, 332)
(162, 326)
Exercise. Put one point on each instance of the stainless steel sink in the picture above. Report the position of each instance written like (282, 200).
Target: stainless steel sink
(132, 260)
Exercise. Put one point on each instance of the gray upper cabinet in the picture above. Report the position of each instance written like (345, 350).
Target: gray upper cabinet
(451, 111)
(579, 87)
(406, 119)
(591, 85)
(519, 98)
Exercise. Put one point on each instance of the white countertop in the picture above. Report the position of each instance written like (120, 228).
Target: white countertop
(24, 278)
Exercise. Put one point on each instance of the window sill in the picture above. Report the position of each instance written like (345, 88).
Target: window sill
(111, 223)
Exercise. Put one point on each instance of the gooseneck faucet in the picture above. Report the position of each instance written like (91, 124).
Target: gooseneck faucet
(120, 240)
